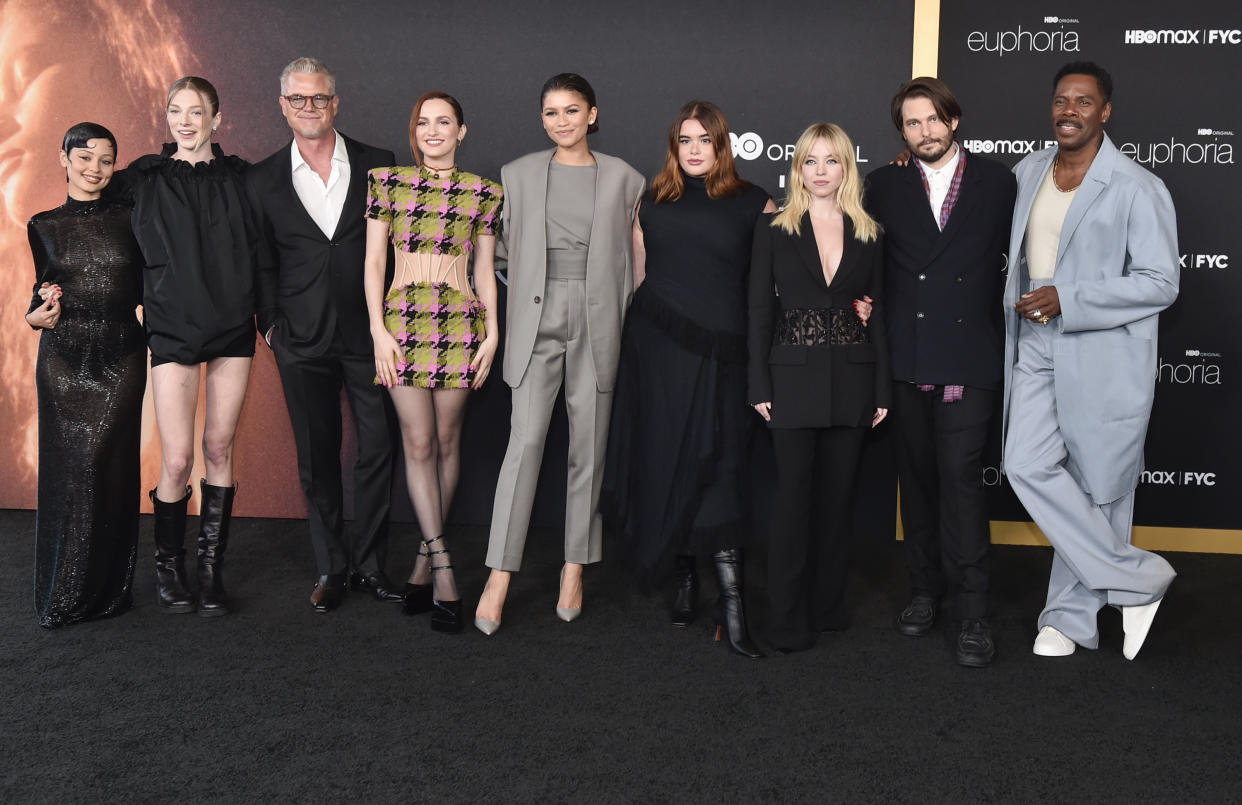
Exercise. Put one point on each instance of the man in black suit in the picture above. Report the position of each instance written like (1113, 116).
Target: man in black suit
(946, 217)
(312, 312)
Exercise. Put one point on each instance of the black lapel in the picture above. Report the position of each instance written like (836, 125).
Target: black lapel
(355, 196)
(916, 194)
(291, 199)
(849, 251)
(968, 197)
(808, 250)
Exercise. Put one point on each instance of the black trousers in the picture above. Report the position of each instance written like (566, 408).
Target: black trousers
(809, 547)
(944, 512)
(313, 395)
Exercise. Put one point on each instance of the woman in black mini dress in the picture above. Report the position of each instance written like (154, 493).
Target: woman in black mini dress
(91, 375)
(197, 233)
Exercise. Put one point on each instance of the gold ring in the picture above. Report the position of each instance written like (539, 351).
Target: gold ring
(1043, 319)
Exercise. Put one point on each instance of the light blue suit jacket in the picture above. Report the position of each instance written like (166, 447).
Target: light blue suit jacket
(1117, 268)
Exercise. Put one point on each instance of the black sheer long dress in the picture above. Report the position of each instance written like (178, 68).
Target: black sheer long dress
(673, 481)
(90, 375)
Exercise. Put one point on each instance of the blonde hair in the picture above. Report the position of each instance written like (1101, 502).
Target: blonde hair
(308, 66)
(849, 194)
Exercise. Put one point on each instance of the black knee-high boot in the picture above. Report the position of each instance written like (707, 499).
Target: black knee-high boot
(172, 593)
(213, 538)
(730, 614)
(686, 582)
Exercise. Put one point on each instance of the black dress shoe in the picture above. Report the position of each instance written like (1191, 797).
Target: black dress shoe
(975, 648)
(377, 584)
(327, 593)
(917, 618)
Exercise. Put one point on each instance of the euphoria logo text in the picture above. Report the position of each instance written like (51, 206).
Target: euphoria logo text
(1022, 40)
(1198, 373)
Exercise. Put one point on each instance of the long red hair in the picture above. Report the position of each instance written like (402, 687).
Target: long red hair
(722, 179)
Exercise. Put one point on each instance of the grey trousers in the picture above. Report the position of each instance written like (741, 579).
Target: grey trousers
(562, 353)
(1094, 563)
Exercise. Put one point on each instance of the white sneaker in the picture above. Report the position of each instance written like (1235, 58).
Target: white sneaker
(1136, 621)
(1051, 643)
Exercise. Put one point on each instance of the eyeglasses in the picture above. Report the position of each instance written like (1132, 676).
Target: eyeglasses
(299, 101)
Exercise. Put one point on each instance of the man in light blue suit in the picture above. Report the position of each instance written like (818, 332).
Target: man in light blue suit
(1093, 261)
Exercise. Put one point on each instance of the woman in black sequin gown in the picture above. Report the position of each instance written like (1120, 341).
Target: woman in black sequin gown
(674, 480)
(90, 375)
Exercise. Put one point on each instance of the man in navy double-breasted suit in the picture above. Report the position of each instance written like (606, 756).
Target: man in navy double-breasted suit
(946, 217)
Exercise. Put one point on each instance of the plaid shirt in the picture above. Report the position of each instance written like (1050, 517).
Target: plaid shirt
(955, 186)
(951, 393)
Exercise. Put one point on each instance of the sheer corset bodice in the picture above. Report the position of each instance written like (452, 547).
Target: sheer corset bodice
(413, 268)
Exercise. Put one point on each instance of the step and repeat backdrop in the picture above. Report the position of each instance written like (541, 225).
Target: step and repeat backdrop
(1175, 112)
(773, 67)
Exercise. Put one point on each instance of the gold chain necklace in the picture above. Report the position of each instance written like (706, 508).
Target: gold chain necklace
(1056, 160)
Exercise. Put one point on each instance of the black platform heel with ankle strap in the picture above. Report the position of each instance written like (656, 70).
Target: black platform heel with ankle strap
(445, 615)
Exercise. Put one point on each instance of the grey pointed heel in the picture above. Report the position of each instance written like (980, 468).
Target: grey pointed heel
(567, 614)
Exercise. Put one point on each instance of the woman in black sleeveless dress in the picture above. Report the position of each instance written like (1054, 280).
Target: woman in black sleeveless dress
(199, 237)
(90, 375)
(680, 427)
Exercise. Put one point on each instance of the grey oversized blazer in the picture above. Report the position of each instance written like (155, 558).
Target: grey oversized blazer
(610, 272)
(1117, 268)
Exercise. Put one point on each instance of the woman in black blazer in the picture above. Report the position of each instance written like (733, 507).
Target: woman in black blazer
(819, 375)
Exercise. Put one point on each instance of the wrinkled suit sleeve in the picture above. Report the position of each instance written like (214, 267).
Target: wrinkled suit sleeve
(1149, 280)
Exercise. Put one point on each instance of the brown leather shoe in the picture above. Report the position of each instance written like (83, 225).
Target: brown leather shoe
(327, 593)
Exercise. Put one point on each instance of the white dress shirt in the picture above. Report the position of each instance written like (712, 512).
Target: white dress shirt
(938, 181)
(323, 201)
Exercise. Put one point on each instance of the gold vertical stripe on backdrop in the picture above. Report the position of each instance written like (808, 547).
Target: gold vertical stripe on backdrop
(925, 61)
(926, 38)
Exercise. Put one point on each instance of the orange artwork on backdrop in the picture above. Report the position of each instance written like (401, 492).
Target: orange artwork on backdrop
(109, 62)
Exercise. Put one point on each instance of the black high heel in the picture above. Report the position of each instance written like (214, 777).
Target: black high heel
(416, 600)
(686, 582)
(445, 615)
(730, 615)
(417, 597)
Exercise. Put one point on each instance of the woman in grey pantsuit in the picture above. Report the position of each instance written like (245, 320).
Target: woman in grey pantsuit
(567, 236)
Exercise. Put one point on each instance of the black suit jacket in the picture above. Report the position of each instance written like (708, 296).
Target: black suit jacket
(815, 386)
(943, 289)
(309, 284)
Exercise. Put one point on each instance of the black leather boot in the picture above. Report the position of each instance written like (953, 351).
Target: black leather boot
(172, 593)
(213, 538)
(730, 615)
(686, 582)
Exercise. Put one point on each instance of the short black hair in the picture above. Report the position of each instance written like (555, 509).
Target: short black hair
(571, 82)
(1101, 76)
(79, 135)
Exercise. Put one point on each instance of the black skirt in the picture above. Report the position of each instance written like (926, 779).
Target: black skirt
(681, 429)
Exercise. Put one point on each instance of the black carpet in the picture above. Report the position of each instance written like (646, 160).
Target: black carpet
(277, 704)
